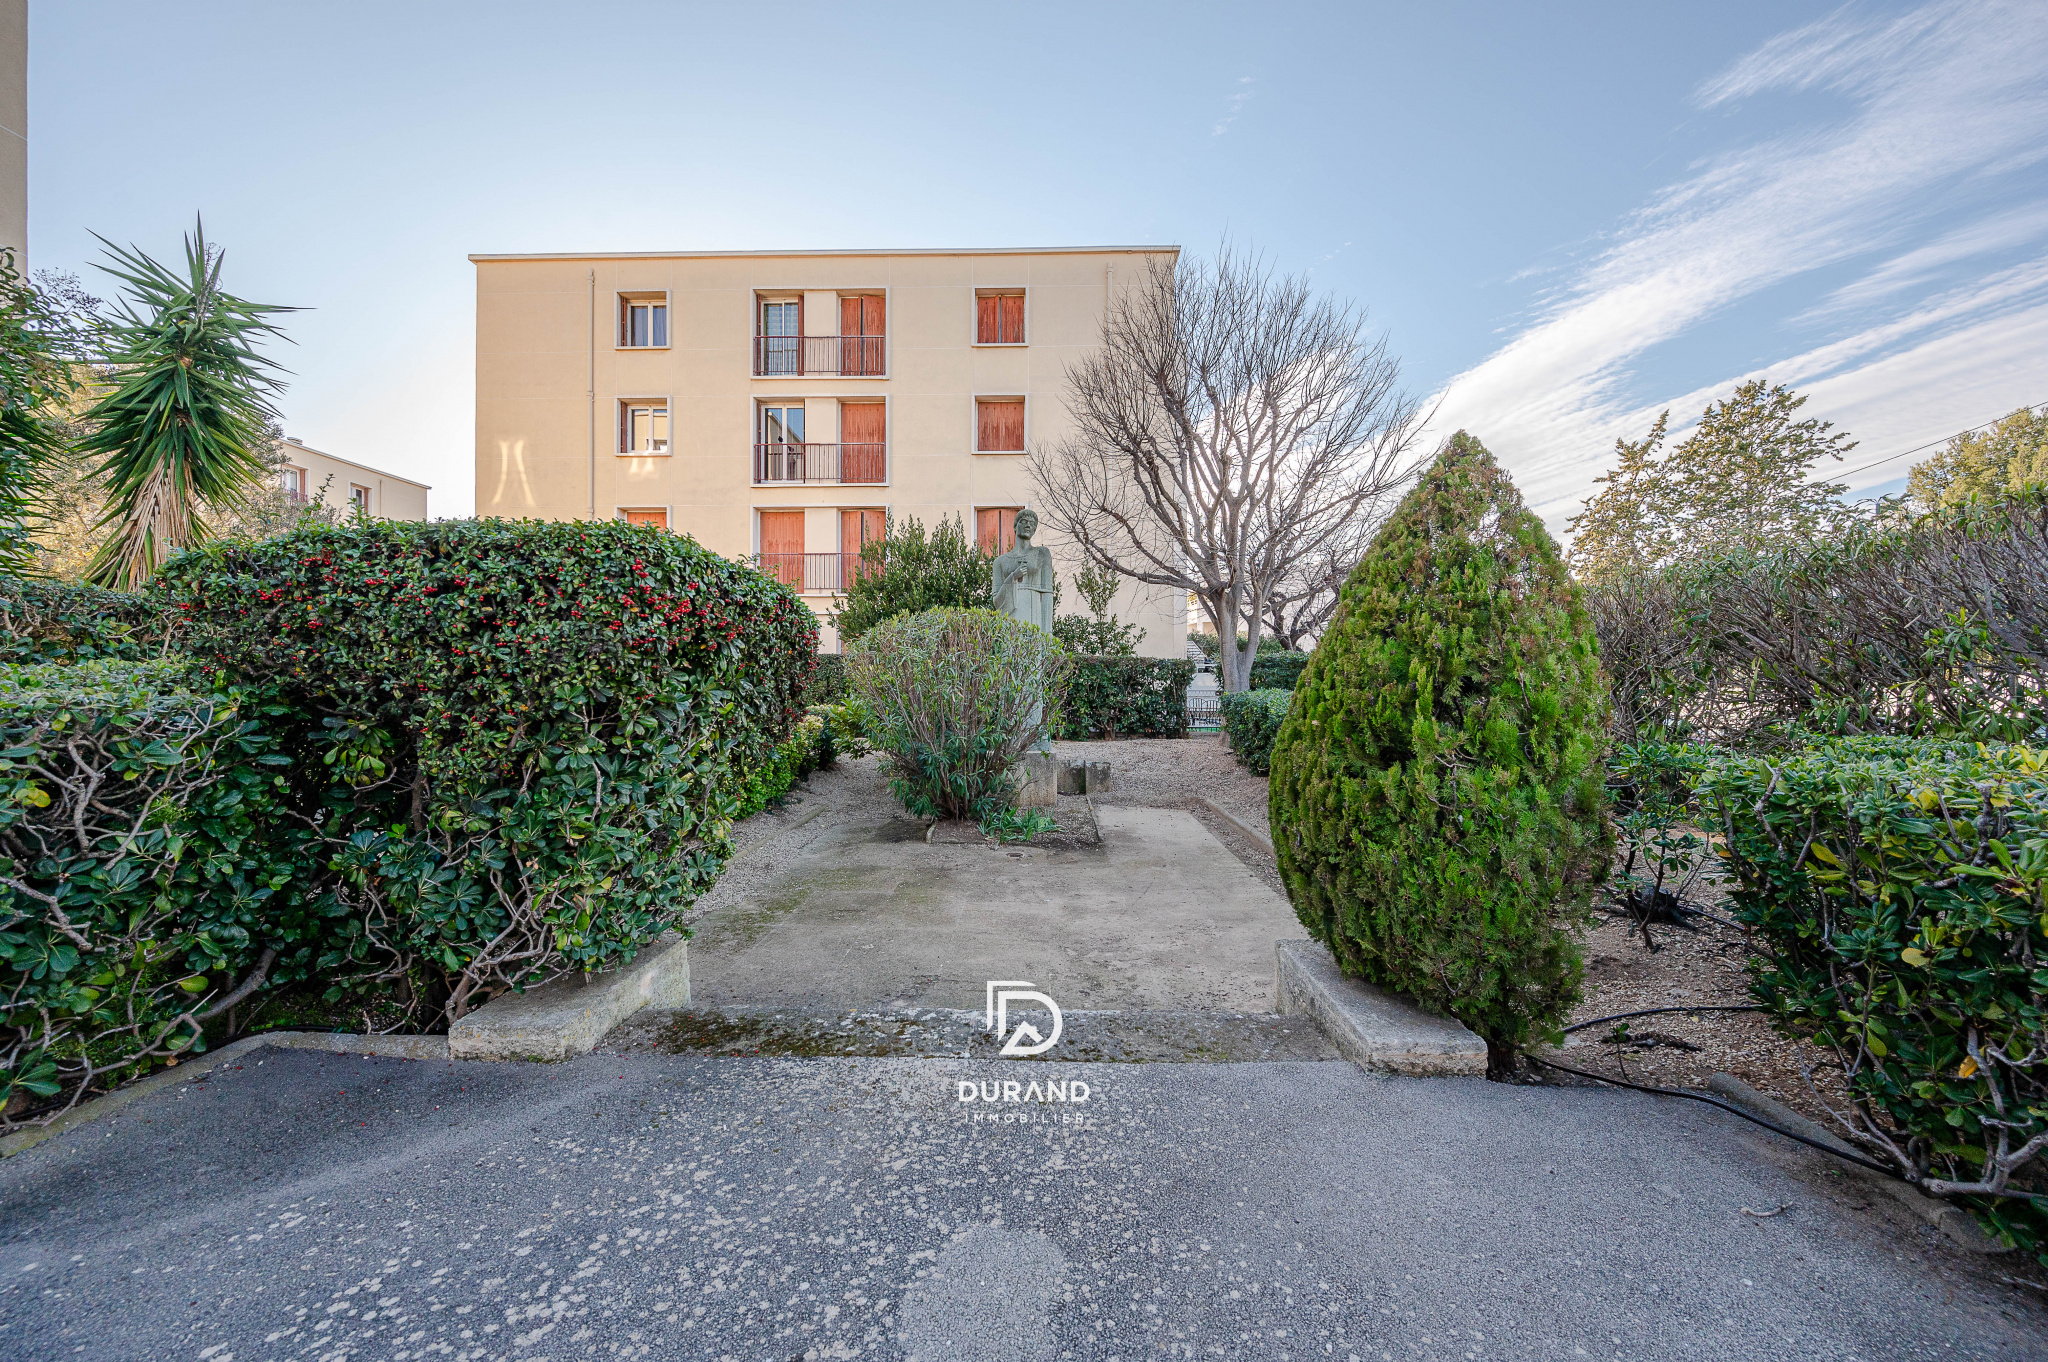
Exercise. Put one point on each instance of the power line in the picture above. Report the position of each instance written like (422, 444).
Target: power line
(1932, 443)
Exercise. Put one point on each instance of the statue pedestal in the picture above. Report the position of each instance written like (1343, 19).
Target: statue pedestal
(1041, 789)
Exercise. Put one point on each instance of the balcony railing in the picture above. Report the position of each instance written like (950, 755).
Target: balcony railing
(829, 356)
(855, 463)
(813, 572)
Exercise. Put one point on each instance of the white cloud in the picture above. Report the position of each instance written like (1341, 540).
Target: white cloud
(1954, 93)
(1233, 106)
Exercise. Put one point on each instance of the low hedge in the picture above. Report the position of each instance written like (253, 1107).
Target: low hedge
(1126, 697)
(1251, 721)
(522, 744)
(43, 621)
(1900, 890)
(1277, 670)
(150, 878)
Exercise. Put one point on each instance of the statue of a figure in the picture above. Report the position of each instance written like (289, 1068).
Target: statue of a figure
(1022, 581)
(1022, 578)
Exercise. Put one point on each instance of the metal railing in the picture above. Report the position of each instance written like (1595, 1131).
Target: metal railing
(813, 573)
(791, 462)
(830, 356)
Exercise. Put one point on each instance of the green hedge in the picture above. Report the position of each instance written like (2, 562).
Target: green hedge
(1126, 697)
(522, 743)
(1900, 890)
(1277, 670)
(42, 621)
(152, 875)
(828, 680)
(1251, 721)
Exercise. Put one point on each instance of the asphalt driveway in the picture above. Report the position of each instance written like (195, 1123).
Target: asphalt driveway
(308, 1205)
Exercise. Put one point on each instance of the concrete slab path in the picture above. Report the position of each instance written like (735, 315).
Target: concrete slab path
(1160, 916)
(308, 1205)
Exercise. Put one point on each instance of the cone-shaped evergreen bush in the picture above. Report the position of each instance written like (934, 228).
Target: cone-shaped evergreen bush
(1436, 787)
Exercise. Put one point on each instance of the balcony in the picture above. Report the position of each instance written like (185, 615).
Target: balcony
(852, 464)
(812, 573)
(820, 356)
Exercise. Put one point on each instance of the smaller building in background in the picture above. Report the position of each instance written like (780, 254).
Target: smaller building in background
(310, 475)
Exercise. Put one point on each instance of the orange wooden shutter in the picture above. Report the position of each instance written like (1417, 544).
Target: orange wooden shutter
(863, 441)
(871, 314)
(656, 518)
(1002, 428)
(855, 529)
(782, 546)
(1011, 328)
(985, 324)
(995, 528)
(849, 317)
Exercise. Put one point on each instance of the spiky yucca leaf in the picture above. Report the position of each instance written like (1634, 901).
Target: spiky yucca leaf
(186, 418)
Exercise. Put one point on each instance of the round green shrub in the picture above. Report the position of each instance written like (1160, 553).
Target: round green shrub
(521, 743)
(949, 696)
(1436, 796)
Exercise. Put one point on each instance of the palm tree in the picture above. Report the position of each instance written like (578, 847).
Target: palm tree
(186, 418)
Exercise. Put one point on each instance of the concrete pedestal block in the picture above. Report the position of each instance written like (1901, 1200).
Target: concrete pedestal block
(1369, 1026)
(1073, 778)
(1041, 772)
(1097, 780)
(569, 1016)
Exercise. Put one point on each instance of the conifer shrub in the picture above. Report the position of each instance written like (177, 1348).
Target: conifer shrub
(520, 744)
(1436, 799)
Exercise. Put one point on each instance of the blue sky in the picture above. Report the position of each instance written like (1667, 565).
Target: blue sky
(1567, 216)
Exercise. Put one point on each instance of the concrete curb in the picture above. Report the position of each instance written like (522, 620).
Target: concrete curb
(187, 1070)
(1265, 843)
(1953, 1221)
(1371, 1028)
(570, 1015)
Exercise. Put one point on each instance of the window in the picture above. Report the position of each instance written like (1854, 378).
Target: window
(999, 319)
(782, 425)
(359, 498)
(861, 335)
(295, 484)
(781, 342)
(999, 425)
(643, 321)
(995, 528)
(656, 517)
(782, 547)
(643, 428)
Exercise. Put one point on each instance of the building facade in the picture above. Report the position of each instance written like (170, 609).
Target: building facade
(14, 130)
(312, 475)
(785, 405)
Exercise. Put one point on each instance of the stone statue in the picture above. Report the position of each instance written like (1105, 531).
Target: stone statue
(1022, 579)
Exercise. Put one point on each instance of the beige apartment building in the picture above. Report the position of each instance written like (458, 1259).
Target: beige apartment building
(312, 475)
(785, 404)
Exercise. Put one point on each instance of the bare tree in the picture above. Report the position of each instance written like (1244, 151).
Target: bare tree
(1305, 598)
(1232, 427)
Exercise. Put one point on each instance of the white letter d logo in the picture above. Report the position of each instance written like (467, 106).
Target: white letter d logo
(1003, 992)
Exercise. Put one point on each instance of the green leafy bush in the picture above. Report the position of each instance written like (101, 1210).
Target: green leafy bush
(808, 747)
(846, 729)
(1901, 892)
(1277, 670)
(1126, 697)
(43, 621)
(1083, 636)
(828, 680)
(1437, 796)
(523, 743)
(150, 877)
(1251, 721)
(908, 570)
(951, 698)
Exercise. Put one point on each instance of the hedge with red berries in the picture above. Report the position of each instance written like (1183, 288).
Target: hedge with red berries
(519, 743)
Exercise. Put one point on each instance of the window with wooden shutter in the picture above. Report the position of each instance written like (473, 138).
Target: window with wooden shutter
(999, 319)
(863, 441)
(782, 546)
(857, 529)
(861, 334)
(656, 518)
(999, 425)
(995, 528)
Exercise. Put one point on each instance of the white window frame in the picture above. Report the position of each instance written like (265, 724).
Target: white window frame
(359, 495)
(623, 432)
(974, 319)
(631, 298)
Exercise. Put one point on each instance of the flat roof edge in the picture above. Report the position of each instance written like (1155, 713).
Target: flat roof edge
(888, 250)
(395, 477)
